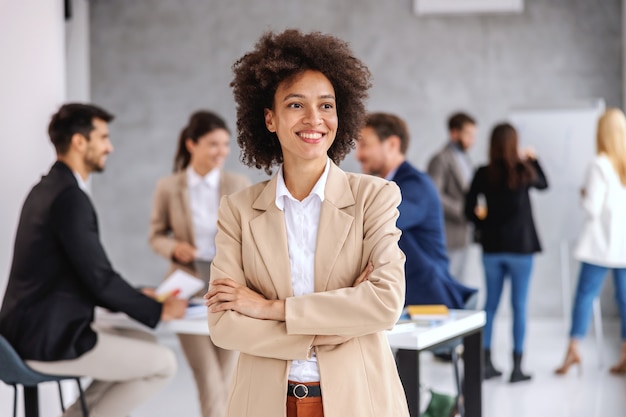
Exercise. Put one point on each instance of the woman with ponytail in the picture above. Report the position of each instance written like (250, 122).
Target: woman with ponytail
(182, 230)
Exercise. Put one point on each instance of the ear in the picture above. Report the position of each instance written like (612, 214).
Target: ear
(189, 145)
(393, 142)
(78, 142)
(269, 120)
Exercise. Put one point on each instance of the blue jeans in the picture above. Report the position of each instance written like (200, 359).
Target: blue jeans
(497, 267)
(590, 281)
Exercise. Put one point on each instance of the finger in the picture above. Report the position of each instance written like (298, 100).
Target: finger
(225, 282)
(218, 289)
(221, 307)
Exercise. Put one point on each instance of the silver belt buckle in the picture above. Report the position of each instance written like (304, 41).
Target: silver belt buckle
(295, 391)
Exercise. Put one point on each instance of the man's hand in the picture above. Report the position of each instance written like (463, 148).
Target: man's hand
(173, 308)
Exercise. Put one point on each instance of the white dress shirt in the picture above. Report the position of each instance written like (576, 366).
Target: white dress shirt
(603, 240)
(81, 183)
(204, 201)
(302, 220)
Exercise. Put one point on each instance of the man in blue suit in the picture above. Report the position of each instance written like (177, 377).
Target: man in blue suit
(381, 150)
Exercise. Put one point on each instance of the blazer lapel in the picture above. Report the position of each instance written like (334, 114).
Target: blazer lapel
(183, 194)
(270, 237)
(334, 225)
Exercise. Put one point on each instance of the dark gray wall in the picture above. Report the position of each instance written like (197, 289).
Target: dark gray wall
(153, 62)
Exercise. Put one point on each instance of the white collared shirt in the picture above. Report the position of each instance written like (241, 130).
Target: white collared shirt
(82, 184)
(301, 221)
(204, 201)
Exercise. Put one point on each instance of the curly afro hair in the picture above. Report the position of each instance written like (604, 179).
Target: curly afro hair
(280, 57)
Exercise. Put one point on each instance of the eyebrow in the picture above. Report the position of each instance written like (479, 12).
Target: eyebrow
(294, 95)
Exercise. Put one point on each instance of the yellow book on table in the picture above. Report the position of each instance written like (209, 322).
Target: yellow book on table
(428, 311)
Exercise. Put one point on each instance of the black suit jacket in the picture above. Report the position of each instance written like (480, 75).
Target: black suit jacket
(509, 226)
(60, 272)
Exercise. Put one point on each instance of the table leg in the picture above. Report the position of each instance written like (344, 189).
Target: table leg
(472, 381)
(408, 363)
(31, 402)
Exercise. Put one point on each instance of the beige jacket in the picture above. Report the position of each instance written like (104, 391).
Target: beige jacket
(357, 224)
(171, 221)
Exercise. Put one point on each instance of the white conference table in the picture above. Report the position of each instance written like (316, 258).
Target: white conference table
(411, 338)
(408, 338)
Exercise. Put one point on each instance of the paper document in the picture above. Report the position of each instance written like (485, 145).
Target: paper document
(185, 283)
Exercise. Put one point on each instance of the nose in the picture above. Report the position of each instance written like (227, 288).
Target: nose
(109, 147)
(313, 117)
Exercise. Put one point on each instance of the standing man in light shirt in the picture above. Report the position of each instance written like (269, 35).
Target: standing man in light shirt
(182, 229)
(60, 273)
(451, 170)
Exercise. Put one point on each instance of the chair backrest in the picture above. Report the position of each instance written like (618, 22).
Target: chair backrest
(13, 370)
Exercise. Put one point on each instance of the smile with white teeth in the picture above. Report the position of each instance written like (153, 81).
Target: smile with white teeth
(312, 136)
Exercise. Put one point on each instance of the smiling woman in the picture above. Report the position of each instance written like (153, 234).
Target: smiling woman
(308, 273)
(182, 230)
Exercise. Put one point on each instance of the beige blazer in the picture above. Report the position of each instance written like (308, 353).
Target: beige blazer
(444, 170)
(357, 224)
(171, 221)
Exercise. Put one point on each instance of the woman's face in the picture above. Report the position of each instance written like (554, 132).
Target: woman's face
(209, 152)
(304, 117)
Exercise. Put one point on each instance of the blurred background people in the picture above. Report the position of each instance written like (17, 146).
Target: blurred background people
(602, 244)
(451, 171)
(183, 225)
(60, 273)
(381, 149)
(507, 233)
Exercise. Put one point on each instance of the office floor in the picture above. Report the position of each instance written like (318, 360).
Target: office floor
(595, 393)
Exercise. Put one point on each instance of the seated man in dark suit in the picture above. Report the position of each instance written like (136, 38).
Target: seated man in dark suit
(381, 150)
(60, 273)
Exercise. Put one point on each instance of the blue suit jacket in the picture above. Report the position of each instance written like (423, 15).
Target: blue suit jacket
(421, 221)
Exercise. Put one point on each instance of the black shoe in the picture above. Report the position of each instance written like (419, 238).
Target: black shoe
(489, 371)
(517, 375)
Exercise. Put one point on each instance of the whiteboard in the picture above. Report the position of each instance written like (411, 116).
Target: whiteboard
(564, 139)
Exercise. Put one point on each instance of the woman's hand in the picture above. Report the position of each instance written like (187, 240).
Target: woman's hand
(365, 274)
(527, 153)
(226, 294)
(184, 252)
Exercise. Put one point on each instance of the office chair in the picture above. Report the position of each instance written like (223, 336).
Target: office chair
(14, 372)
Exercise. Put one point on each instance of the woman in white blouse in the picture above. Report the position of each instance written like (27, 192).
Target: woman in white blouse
(602, 245)
(182, 229)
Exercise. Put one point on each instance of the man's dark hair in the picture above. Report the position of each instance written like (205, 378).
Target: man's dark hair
(458, 120)
(74, 118)
(281, 57)
(386, 125)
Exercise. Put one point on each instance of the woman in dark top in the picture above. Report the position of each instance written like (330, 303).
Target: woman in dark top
(507, 233)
